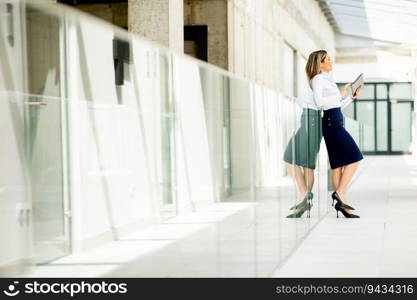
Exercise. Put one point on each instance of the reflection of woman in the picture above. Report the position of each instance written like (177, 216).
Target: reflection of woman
(344, 154)
(301, 154)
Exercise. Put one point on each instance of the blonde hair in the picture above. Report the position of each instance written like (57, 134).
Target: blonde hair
(313, 63)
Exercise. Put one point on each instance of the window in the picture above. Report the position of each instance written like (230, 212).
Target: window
(400, 91)
(385, 112)
(368, 92)
(381, 91)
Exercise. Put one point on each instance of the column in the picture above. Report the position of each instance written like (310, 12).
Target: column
(161, 21)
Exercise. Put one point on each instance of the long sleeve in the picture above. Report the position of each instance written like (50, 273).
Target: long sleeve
(345, 102)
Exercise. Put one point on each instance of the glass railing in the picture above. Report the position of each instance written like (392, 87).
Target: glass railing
(357, 130)
(106, 135)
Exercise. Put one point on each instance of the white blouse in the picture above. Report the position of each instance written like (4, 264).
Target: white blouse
(326, 94)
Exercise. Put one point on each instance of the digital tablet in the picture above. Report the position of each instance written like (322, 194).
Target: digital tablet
(357, 83)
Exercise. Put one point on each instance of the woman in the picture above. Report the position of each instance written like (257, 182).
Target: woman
(344, 154)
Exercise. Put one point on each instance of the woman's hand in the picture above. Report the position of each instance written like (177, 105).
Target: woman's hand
(357, 93)
(345, 88)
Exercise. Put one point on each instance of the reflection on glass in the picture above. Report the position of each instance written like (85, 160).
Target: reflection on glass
(301, 156)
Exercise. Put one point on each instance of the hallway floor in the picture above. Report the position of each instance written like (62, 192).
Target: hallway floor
(382, 243)
(247, 239)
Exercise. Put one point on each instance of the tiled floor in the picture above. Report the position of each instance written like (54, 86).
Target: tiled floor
(250, 239)
(382, 243)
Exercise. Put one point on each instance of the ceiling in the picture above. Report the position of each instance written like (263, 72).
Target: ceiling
(385, 20)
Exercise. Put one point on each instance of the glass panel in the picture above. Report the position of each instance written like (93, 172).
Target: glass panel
(353, 127)
(215, 89)
(365, 115)
(45, 156)
(158, 149)
(382, 126)
(227, 171)
(304, 90)
(401, 126)
(288, 61)
(167, 159)
(381, 91)
(400, 91)
(45, 140)
(237, 249)
(289, 194)
(194, 148)
(349, 111)
(268, 228)
(368, 92)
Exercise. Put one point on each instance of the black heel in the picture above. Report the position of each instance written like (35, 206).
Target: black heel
(338, 208)
(336, 197)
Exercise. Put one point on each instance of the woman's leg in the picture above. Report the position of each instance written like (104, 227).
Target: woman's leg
(298, 176)
(309, 178)
(336, 176)
(345, 179)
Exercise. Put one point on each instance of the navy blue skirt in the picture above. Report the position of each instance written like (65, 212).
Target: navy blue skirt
(341, 147)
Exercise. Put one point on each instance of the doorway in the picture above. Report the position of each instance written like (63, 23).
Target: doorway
(195, 41)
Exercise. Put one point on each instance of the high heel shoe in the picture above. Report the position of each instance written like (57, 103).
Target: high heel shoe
(308, 196)
(335, 197)
(303, 207)
(338, 208)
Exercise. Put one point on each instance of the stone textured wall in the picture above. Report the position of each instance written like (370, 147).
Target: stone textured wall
(212, 13)
(115, 13)
(158, 20)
